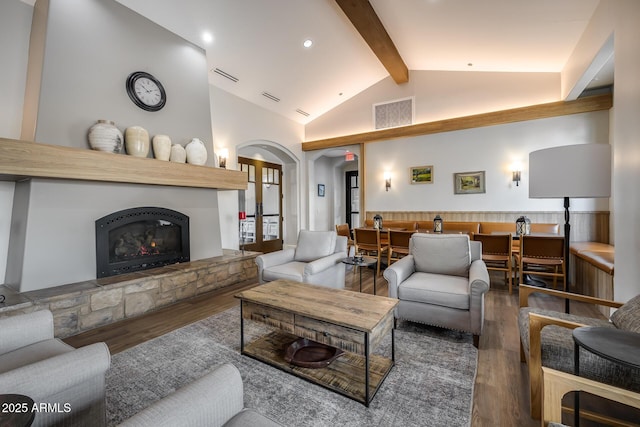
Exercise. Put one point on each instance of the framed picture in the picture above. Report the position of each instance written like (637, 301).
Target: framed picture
(320, 190)
(421, 174)
(469, 182)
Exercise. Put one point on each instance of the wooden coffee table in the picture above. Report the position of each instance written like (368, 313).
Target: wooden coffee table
(351, 321)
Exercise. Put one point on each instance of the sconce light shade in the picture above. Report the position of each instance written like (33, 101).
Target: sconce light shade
(523, 226)
(516, 177)
(437, 224)
(387, 181)
(222, 158)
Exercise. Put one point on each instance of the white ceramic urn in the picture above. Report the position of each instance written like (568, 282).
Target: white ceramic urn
(161, 147)
(136, 141)
(105, 136)
(178, 154)
(196, 152)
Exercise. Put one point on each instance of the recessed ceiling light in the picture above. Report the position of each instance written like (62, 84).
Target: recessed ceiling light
(207, 37)
(307, 43)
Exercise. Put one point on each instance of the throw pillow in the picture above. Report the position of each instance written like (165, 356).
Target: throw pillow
(627, 317)
(313, 245)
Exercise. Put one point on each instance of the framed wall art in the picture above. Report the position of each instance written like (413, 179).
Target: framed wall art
(469, 182)
(320, 190)
(421, 174)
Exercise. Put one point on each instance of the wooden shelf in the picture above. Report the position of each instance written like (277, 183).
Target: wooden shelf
(24, 159)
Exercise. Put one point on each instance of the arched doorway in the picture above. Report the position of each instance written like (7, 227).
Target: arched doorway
(276, 174)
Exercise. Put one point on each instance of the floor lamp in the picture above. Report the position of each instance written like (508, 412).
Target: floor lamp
(571, 171)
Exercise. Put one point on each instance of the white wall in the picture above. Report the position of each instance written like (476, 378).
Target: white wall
(491, 149)
(237, 122)
(620, 18)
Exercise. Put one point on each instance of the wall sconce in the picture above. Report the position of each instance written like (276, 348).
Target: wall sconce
(515, 173)
(387, 181)
(222, 158)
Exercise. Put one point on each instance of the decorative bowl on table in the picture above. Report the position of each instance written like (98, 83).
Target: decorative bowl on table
(310, 354)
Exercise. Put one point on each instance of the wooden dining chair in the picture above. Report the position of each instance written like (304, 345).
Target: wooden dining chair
(343, 230)
(398, 244)
(496, 254)
(369, 241)
(542, 256)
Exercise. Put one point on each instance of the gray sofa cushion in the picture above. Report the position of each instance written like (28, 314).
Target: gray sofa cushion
(250, 418)
(627, 317)
(290, 271)
(558, 345)
(436, 289)
(441, 253)
(33, 353)
(314, 244)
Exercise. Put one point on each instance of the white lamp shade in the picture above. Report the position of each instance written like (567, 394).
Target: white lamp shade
(576, 171)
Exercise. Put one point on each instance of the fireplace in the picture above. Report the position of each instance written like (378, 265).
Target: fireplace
(140, 238)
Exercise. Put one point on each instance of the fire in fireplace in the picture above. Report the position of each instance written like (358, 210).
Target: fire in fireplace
(140, 238)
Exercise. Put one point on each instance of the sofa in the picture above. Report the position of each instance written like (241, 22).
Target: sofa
(442, 282)
(546, 340)
(215, 400)
(36, 364)
(316, 260)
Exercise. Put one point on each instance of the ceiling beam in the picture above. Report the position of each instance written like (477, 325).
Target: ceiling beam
(533, 112)
(366, 21)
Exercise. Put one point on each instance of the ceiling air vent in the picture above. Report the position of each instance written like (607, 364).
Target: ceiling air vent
(304, 113)
(393, 114)
(271, 97)
(225, 75)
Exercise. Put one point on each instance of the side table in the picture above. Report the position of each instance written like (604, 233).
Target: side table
(612, 344)
(17, 410)
(365, 262)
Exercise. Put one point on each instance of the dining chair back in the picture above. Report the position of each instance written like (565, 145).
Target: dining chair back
(542, 256)
(343, 230)
(398, 244)
(369, 241)
(496, 253)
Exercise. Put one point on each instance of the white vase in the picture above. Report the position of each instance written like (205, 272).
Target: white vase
(178, 154)
(162, 147)
(136, 141)
(196, 152)
(105, 136)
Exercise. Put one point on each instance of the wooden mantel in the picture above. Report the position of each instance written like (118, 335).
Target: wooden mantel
(23, 159)
(533, 112)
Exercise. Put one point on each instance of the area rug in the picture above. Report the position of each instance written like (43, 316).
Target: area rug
(430, 385)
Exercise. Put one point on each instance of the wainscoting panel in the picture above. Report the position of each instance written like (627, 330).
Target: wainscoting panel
(585, 226)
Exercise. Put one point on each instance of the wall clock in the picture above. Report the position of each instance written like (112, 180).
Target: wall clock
(146, 91)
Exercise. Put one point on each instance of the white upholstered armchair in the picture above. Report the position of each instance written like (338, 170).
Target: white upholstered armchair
(442, 282)
(316, 259)
(35, 364)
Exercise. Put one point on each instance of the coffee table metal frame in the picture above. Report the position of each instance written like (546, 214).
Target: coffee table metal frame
(368, 396)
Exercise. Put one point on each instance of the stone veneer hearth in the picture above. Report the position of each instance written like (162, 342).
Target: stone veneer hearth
(82, 306)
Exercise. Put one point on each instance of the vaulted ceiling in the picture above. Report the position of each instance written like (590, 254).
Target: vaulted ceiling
(260, 42)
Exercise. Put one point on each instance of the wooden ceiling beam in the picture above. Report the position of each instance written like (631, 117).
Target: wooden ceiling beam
(533, 112)
(366, 21)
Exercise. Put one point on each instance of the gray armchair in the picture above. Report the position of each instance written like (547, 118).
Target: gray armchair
(215, 400)
(442, 282)
(35, 364)
(315, 260)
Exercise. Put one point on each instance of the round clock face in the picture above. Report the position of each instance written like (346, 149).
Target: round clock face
(146, 91)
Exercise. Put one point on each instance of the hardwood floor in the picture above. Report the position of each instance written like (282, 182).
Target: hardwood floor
(501, 389)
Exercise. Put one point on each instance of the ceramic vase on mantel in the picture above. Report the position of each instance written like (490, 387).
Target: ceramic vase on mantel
(162, 147)
(196, 152)
(105, 136)
(136, 141)
(178, 154)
